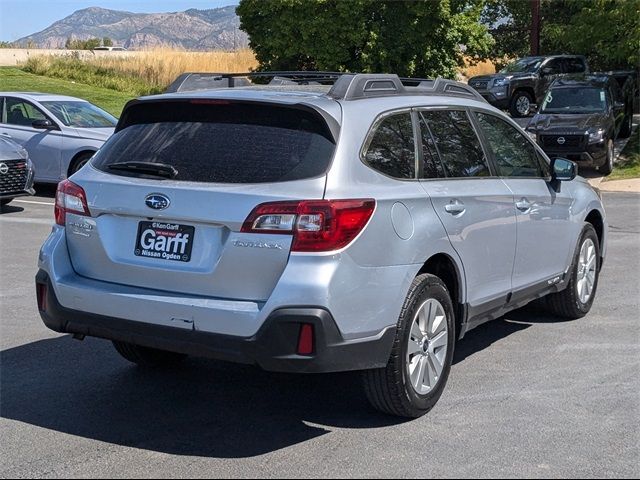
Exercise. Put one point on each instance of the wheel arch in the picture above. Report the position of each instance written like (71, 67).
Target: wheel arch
(447, 269)
(527, 89)
(594, 217)
(79, 154)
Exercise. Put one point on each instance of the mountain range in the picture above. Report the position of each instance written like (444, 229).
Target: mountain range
(214, 29)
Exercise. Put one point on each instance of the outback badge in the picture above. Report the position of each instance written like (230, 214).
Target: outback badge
(157, 201)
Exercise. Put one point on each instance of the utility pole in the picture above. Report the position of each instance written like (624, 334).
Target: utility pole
(535, 27)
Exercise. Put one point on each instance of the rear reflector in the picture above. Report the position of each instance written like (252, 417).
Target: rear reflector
(41, 294)
(317, 225)
(70, 198)
(305, 339)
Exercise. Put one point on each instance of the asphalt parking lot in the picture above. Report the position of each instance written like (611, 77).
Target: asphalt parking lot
(529, 395)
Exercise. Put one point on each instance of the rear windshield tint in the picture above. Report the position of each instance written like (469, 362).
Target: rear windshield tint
(222, 143)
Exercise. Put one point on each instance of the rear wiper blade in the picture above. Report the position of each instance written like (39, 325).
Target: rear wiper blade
(151, 168)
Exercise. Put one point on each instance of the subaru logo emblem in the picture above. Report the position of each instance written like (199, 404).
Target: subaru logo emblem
(561, 140)
(157, 201)
(4, 168)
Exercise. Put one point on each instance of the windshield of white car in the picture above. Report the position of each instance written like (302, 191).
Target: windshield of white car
(574, 100)
(529, 64)
(81, 114)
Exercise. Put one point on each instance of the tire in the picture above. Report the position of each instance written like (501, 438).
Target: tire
(5, 201)
(148, 357)
(607, 167)
(568, 303)
(80, 162)
(391, 389)
(519, 101)
(627, 126)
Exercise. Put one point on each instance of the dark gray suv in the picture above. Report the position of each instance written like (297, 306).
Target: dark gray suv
(523, 83)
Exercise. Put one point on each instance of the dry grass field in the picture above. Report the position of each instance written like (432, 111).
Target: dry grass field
(483, 68)
(160, 67)
(138, 73)
(149, 72)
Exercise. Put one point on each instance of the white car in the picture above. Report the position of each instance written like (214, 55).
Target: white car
(60, 133)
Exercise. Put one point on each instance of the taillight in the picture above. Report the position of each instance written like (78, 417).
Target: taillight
(317, 225)
(70, 198)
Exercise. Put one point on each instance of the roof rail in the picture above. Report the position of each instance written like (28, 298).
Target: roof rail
(362, 85)
(345, 86)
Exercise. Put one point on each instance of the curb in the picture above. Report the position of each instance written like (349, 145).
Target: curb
(631, 185)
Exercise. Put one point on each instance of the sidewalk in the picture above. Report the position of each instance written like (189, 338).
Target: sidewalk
(631, 185)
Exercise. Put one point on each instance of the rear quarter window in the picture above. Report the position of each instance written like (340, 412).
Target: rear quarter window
(222, 142)
(391, 148)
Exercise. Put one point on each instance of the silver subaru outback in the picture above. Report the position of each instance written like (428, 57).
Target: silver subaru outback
(351, 222)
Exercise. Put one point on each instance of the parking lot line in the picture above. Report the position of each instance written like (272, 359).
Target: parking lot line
(34, 202)
(37, 221)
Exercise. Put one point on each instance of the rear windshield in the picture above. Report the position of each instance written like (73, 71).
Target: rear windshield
(222, 142)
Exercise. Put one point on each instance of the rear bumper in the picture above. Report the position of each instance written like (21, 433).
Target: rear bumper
(272, 348)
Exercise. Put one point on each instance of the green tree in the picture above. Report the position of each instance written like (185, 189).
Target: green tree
(107, 42)
(410, 38)
(606, 31)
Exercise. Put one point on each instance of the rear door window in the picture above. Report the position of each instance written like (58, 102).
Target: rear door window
(391, 150)
(456, 143)
(222, 142)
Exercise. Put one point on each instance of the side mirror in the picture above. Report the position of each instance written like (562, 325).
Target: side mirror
(618, 105)
(43, 125)
(563, 170)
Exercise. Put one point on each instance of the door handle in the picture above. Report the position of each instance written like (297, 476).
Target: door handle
(456, 207)
(523, 205)
(4, 134)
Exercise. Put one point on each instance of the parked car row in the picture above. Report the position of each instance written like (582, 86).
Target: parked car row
(579, 114)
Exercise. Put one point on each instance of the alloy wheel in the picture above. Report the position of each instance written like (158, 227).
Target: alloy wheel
(427, 348)
(523, 105)
(587, 263)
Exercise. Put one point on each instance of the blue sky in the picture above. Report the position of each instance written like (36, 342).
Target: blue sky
(19, 18)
